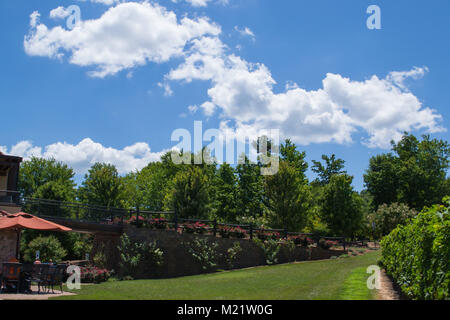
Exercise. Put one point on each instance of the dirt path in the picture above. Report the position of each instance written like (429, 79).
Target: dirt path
(387, 291)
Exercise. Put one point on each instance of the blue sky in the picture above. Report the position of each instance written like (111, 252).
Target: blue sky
(89, 94)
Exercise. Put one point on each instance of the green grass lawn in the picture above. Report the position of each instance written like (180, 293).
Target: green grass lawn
(343, 278)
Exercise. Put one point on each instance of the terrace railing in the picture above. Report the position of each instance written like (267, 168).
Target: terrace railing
(140, 218)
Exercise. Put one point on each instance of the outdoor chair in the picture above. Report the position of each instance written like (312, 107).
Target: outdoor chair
(48, 277)
(38, 275)
(57, 277)
(11, 274)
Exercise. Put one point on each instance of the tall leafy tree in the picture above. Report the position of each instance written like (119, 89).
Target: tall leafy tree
(341, 206)
(414, 173)
(288, 198)
(250, 189)
(37, 172)
(289, 153)
(226, 193)
(102, 186)
(189, 195)
(325, 171)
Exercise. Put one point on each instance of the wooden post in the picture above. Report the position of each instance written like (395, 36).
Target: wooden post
(251, 231)
(215, 228)
(175, 220)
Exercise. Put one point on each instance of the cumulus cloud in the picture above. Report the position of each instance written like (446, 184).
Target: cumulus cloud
(241, 93)
(59, 13)
(125, 36)
(382, 109)
(84, 154)
(105, 2)
(201, 3)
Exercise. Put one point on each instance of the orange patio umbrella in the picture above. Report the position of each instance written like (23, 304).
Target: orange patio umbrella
(21, 220)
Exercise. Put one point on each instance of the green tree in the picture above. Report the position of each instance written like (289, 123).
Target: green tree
(288, 198)
(36, 172)
(226, 193)
(414, 173)
(250, 189)
(189, 195)
(289, 153)
(325, 171)
(102, 186)
(341, 206)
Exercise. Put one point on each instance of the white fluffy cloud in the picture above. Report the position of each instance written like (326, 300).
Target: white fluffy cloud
(59, 13)
(381, 108)
(201, 3)
(125, 36)
(241, 93)
(84, 154)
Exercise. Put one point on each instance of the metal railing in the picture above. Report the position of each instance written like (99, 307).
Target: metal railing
(143, 218)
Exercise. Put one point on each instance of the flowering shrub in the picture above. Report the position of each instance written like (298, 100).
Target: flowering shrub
(266, 235)
(132, 220)
(327, 244)
(157, 223)
(301, 240)
(235, 232)
(94, 274)
(197, 227)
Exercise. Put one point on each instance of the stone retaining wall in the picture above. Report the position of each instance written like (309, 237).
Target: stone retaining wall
(179, 262)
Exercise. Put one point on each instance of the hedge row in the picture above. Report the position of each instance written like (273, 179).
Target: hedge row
(417, 255)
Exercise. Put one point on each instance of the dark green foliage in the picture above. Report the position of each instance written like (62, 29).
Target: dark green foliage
(287, 198)
(189, 196)
(417, 255)
(50, 250)
(415, 173)
(37, 172)
(250, 189)
(226, 194)
(325, 172)
(341, 206)
(102, 186)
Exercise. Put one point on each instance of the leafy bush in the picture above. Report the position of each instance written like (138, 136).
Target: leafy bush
(417, 255)
(204, 252)
(50, 250)
(232, 254)
(134, 254)
(271, 249)
(289, 247)
(388, 217)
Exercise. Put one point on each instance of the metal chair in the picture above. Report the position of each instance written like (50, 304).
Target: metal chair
(11, 274)
(58, 277)
(38, 275)
(48, 277)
